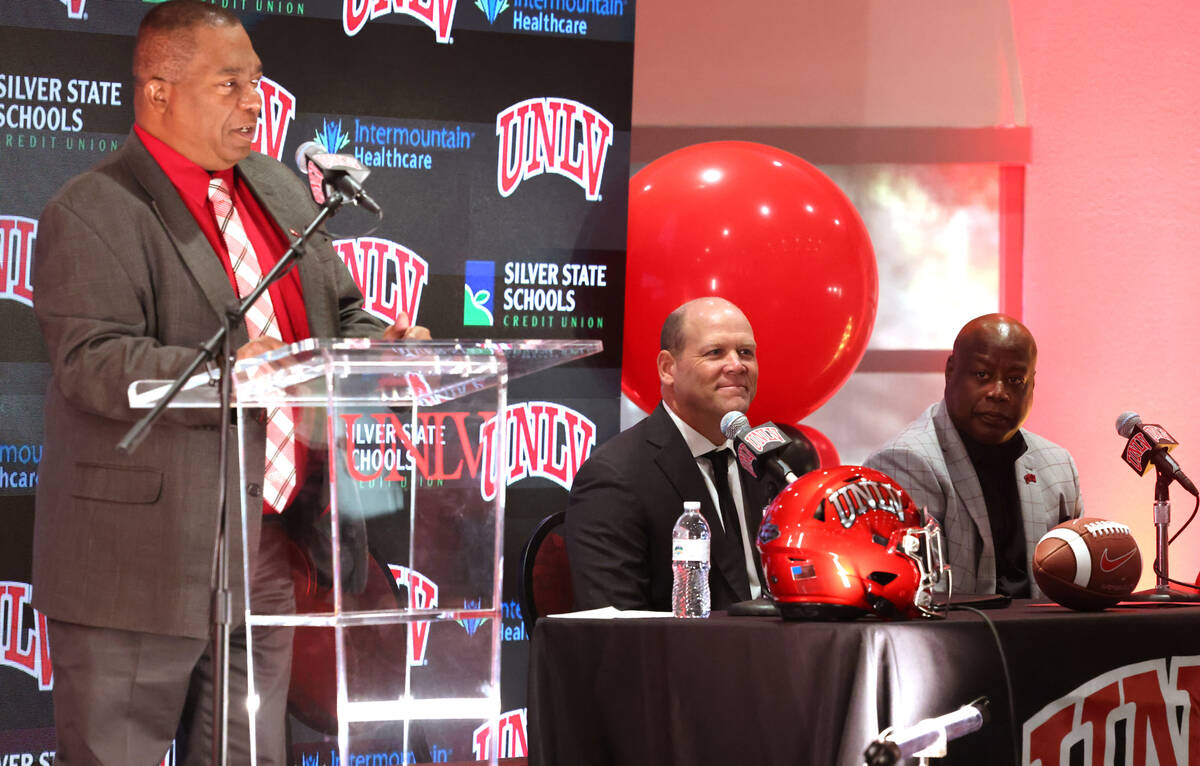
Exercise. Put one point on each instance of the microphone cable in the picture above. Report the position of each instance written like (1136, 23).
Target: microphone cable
(1008, 688)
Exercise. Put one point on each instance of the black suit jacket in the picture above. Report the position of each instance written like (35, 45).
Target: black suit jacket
(126, 287)
(623, 505)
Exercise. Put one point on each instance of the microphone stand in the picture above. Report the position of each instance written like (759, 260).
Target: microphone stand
(220, 341)
(1163, 590)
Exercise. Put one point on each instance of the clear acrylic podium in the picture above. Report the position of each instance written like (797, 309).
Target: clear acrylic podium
(395, 536)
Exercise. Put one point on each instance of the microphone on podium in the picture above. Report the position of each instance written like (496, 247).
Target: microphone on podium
(927, 737)
(757, 448)
(1149, 443)
(339, 171)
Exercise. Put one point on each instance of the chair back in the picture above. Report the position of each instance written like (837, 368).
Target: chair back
(545, 586)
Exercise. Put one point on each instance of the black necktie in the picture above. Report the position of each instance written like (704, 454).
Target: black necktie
(719, 459)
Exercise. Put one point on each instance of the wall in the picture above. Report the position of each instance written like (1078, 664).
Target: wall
(1108, 91)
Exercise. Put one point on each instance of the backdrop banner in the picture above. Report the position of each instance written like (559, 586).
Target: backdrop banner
(497, 136)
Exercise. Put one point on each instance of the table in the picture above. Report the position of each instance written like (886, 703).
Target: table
(759, 690)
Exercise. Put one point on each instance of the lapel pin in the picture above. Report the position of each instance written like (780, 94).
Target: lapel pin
(1030, 479)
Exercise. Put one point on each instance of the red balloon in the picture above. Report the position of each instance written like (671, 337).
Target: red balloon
(768, 231)
(827, 453)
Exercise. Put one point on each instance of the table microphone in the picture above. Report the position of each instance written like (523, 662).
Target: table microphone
(894, 744)
(340, 171)
(757, 448)
(1149, 443)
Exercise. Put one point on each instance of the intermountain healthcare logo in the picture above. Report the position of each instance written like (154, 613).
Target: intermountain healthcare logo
(1156, 703)
(438, 15)
(24, 642)
(551, 16)
(392, 278)
(17, 235)
(552, 135)
(479, 283)
(278, 111)
(492, 8)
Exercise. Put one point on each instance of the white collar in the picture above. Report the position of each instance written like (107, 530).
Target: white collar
(697, 442)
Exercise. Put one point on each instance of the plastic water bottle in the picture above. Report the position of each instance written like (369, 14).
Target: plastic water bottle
(690, 542)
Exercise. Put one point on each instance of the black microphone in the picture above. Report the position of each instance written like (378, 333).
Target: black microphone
(340, 171)
(756, 448)
(1149, 443)
(893, 745)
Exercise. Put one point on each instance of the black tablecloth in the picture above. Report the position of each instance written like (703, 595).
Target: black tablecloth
(755, 690)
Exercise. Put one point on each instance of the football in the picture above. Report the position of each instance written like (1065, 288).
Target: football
(1087, 564)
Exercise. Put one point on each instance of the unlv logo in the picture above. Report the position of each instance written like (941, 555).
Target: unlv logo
(508, 730)
(422, 594)
(763, 436)
(390, 276)
(1155, 705)
(24, 643)
(17, 235)
(863, 497)
(74, 8)
(435, 14)
(278, 111)
(552, 135)
(543, 439)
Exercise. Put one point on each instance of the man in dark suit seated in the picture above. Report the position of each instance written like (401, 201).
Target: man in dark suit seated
(628, 494)
(136, 261)
(995, 487)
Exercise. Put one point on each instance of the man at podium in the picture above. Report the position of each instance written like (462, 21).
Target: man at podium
(136, 260)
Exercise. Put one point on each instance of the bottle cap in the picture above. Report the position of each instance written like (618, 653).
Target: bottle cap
(691, 505)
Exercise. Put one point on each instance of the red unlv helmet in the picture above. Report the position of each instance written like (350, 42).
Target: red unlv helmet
(848, 541)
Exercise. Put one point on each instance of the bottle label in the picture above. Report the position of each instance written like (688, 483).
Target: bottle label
(690, 550)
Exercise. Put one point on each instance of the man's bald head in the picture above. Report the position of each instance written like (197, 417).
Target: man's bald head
(995, 329)
(708, 363)
(166, 39)
(989, 378)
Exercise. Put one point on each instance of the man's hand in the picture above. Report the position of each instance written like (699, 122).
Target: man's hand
(402, 330)
(260, 345)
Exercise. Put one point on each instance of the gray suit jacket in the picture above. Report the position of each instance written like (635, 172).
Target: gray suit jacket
(929, 460)
(622, 508)
(126, 287)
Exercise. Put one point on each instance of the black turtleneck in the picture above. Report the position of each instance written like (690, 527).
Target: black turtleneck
(994, 467)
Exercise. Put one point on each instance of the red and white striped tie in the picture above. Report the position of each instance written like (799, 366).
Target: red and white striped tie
(280, 476)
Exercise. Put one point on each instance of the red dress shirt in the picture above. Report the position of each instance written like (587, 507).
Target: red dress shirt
(269, 241)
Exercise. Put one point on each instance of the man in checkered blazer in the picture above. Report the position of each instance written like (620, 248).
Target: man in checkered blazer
(994, 487)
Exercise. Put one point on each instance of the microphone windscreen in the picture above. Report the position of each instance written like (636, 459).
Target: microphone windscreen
(1127, 422)
(733, 423)
(304, 151)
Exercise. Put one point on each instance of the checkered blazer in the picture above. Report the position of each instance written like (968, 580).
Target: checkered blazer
(929, 460)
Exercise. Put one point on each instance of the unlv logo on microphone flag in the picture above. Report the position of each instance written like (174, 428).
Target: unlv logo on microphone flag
(1156, 703)
(278, 111)
(17, 235)
(552, 135)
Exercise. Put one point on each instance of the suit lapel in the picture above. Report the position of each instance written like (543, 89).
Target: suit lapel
(966, 485)
(675, 460)
(1033, 508)
(177, 221)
